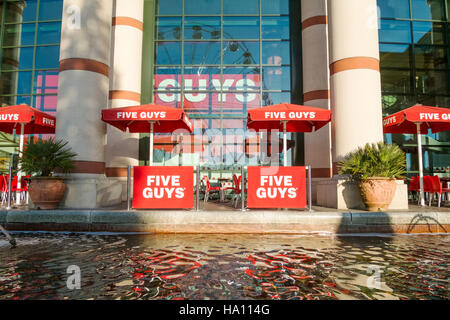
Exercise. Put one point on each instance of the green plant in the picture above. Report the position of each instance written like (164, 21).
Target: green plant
(43, 157)
(375, 160)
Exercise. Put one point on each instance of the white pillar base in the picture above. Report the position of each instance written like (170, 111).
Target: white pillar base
(342, 194)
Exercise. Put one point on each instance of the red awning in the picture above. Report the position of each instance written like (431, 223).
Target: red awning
(138, 118)
(35, 121)
(298, 118)
(434, 118)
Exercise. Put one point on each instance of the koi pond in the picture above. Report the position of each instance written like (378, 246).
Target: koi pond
(242, 267)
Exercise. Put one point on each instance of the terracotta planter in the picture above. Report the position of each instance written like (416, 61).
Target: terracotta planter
(377, 193)
(47, 192)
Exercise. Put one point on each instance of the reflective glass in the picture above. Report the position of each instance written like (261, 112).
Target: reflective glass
(427, 9)
(275, 52)
(202, 52)
(431, 57)
(168, 28)
(275, 27)
(202, 78)
(428, 32)
(47, 57)
(275, 6)
(241, 52)
(432, 82)
(45, 82)
(241, 79)
(395, 31)
(395, 56)
(270, 98)
(19, 34)
(398, 81)
(241, 28)
(16, 82)
(49, 33)
(25, 56)
(169, 7)
(50, 9)
(394, 8)
(168, 53)
(167, 79)
(276, 78)
(21, 11)
(393, 103)
(45, 103)
(202, 6)
(238, 7)
(199, 28)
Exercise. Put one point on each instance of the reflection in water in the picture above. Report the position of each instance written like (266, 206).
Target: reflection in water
(226, 267)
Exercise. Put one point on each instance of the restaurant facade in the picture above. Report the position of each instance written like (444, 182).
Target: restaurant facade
(217, 60)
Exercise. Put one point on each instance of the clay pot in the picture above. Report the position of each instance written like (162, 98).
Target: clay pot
(47, 192)
(377, 193)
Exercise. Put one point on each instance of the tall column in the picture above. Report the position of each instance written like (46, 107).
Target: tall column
(316, 88)
(122, 149)
(82, 94)
(355, 75)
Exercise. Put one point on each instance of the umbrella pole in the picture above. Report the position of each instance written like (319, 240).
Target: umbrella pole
(419, 151)
(19, 166)
(284, 144)
(150, 159)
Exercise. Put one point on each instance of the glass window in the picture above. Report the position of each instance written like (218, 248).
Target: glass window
(244, 78)
(47, 57)
(202, 78)
(275, 6)
(428, 32)
(275, 27)
(397, 81)
(168, 28)
(45, 82)
(394, 8)
(240, 28)
(49, 33)
(270, 98)
(395, 56)
(46, 103)
(275, 52)
(19, 34)
(202, 52)
(21, 11)
(431, 57)
(241, 52)
(169, 7)
(276, 78)
(50, 9)
(427, 9)
(432, 82)
(16, 82)
(238, 7)
(168, 53)
(395, 31)
(202, 6)
(167, 79)
(25, 57)
(199, 28)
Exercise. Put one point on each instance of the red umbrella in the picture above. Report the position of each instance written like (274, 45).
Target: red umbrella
(148, 118)
(30, 121)
(415, 120)
(288, 118)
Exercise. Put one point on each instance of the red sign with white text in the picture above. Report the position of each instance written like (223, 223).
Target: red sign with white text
(276, 187)
(163, 188)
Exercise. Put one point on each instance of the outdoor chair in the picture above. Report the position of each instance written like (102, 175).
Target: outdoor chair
(436, 189)
(414, 187)
(237, 190)
(209, 189)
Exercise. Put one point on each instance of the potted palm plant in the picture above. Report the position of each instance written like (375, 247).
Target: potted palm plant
(374, 168)
(40, 159)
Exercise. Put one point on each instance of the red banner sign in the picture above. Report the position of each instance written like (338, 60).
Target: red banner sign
(163, 188)
(276, 187)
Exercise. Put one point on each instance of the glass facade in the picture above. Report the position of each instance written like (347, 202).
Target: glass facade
(30, 33)
(217, 59)
(414, 52)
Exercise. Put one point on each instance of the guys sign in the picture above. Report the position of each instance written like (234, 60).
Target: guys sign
(276, 187)
(163, 188)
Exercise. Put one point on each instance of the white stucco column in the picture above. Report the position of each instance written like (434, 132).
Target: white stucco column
(316, 88)
(355, 83)
(122, 149)
(83, 92)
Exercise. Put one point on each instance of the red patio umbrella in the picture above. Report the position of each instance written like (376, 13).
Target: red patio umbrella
(415, 120)
(148, 118)
(30, 121)
(288, 118)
